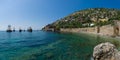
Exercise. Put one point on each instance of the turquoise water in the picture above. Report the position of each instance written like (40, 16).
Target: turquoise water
(40, 45)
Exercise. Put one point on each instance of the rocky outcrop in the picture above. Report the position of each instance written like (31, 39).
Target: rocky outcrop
(106, 51)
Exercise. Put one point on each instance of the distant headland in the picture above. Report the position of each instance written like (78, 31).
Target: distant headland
(104, 21)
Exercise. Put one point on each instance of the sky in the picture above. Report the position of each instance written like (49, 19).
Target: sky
(38, 13)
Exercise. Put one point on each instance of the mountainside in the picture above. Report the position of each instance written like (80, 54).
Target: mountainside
(87, 18)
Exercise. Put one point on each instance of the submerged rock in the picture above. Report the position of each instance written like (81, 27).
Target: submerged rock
(106, 51)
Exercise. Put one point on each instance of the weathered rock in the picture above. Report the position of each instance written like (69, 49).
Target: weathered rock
(106, 51)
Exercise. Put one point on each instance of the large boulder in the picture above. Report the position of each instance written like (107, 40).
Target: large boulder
(106, 51)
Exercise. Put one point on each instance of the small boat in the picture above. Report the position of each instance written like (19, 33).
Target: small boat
(9, 31)
(13, 29)
(20, 30)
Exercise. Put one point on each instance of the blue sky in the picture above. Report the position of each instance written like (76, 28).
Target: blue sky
(38, 13)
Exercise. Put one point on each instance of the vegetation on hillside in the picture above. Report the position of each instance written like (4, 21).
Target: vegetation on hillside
(87, 18)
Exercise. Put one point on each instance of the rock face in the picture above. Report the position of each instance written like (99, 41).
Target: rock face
(106, 51)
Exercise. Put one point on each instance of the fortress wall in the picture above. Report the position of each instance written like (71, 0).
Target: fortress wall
(104, 30)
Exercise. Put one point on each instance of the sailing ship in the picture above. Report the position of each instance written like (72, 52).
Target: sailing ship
(29, 29)
(9, 29)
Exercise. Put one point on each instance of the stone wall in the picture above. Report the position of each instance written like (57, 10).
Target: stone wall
(104, 30)
(76, 30)
(118, 22)
(107, 30)
(70, 30)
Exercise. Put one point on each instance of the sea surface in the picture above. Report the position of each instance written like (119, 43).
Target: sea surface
(41, 45)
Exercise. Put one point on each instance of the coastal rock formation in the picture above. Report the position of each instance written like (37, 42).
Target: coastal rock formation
(106, 51)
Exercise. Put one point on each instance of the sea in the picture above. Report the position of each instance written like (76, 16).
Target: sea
(42, 45)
